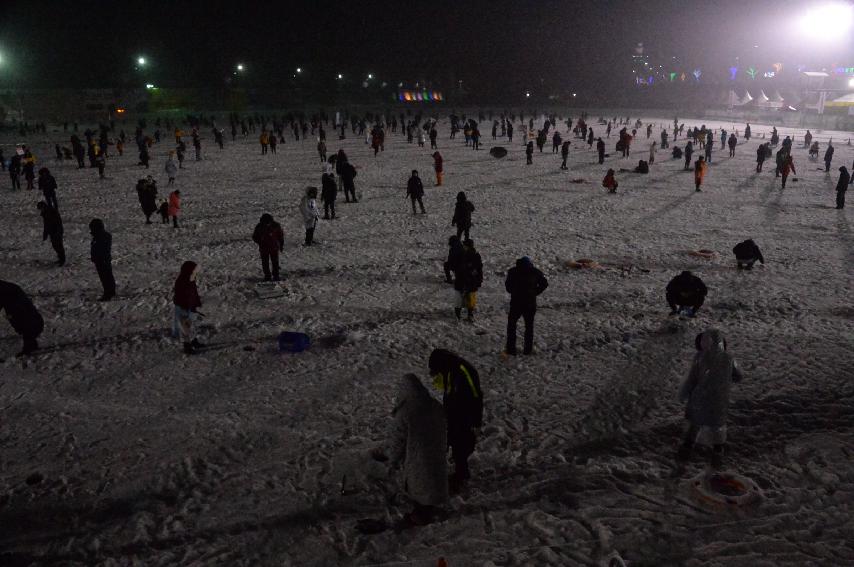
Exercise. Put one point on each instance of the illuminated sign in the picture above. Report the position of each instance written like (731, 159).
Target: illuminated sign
(419, 96)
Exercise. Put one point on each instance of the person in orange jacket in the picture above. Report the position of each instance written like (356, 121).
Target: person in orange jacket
(610, 182)
(175, 206)
(788, 168)
(700, 168)
(437, 165)
(265, 140)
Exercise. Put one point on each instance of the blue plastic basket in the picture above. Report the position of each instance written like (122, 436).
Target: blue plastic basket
(293, 342)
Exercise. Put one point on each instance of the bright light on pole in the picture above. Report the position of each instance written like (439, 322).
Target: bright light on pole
(340, 76)
(827, 22)
(141, 60)
(150, 87)
(370, 76)
(299, 69)
(240, 66)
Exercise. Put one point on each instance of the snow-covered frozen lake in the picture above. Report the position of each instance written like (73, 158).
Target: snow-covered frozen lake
(117, 449)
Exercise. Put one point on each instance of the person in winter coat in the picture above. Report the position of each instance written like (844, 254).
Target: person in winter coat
(462, 399)
(556, 142)
(328, 192)
(787, 168)
(53, 230)
(700, 169)
(706, 394)
(418, 445)
(264, 140)
(610, 182)
(270, 239)
(15, 171)
(175, 206)
(321, 150)
(180, 150)
(468, 274)
(433, 135)
(685, 293)
(171, 169)
(415, 191)
(564, 153)
(600, 150)
(438, 167)
(760, 157)
(746, 254)
(309, 214)
(524, 283)
(29, 168)
(842, 186)
(529, 153)
(347, 175)
(462, 215)
(780, 159)
(187, 302)
(689, 152)
(747, 132)
(455, 253)
(48, 186)
(101, 163)
(146, 190)
(100, 252)
(732, 142)
(828, 157)
(22, 314)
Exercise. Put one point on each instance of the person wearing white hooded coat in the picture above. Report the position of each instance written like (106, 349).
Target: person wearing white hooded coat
(419, 445)
(706, 393)
(308, 211)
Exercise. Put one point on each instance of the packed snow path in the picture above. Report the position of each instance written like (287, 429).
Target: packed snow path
(115, 448)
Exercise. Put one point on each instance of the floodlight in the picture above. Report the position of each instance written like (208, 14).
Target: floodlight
(240, 66)
(141, 60)
(827, 22)
(851, 83)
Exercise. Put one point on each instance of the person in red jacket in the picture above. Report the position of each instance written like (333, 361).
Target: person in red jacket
(437, 165)
(788, 168)
(174, 206)
(270, 239)
(610, 182)
(187, 302)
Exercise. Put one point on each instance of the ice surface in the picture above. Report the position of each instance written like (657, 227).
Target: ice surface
(118, 450)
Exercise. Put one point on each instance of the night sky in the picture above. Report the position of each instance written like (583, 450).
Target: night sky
(491, 46)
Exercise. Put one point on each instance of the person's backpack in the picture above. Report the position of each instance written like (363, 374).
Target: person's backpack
(471, 272)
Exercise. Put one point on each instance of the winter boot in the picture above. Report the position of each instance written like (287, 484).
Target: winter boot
(188, 348)
(196, 344)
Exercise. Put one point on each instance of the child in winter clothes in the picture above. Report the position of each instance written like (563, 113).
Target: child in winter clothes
(309, 213)
(186, 301)
(706, 393)
(174, 208)
(610, 182)
(164, 211)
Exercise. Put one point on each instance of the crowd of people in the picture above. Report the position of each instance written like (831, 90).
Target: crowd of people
(425, 429)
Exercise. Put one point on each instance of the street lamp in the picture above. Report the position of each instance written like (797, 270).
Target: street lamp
(141, 60)
(340, 76)
(240, 66)
(299, 69)
(370, 76)
(150, 87)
